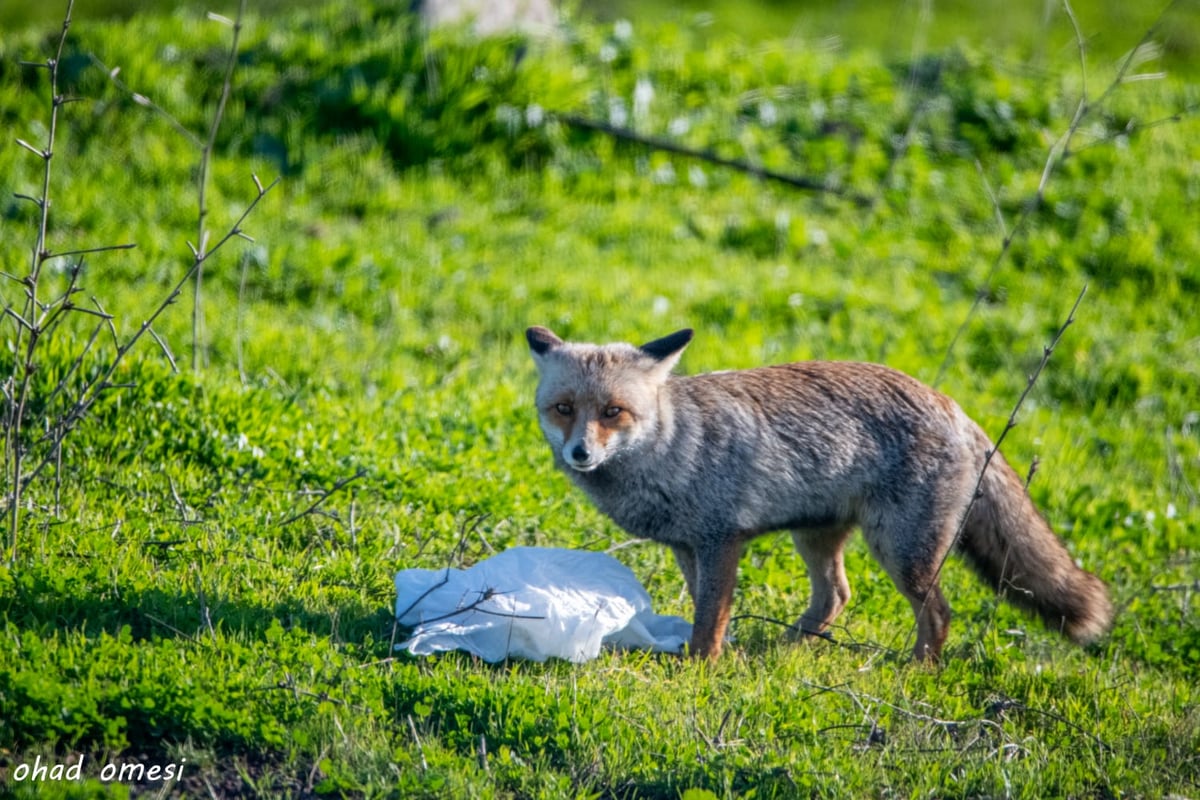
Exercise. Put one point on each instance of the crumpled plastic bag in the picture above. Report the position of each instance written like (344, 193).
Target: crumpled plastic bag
(535, 603)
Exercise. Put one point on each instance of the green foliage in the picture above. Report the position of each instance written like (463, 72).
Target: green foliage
(207, 573)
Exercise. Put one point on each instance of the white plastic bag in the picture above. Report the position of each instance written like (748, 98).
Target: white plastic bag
(535, 603)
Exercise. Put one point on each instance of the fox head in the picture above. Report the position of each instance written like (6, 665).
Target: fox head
(599, 401)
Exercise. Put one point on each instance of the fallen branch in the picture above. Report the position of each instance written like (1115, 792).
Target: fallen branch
(740, 165)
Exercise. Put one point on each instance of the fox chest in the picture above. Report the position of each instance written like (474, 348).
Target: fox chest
(644, 509)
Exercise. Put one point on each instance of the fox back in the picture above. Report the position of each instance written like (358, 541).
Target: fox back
(704, 463)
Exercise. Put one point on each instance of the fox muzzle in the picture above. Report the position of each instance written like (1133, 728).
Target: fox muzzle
(579, 457)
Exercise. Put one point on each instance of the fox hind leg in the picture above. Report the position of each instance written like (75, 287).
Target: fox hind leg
(933, 622)
(821, 550)
(913, 564)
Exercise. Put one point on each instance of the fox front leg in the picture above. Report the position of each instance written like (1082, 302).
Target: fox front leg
(712, 595)
(685, 557)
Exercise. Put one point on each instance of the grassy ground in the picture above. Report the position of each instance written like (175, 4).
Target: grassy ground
(204, 579)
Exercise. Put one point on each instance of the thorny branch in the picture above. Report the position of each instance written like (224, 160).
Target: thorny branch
(1059, 152)
(1047, 350)
(31, 319)
(40, 317)
(202, 183)
(91, 392)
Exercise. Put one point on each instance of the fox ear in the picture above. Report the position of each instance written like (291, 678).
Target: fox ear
(667, 350)
(667, 346)
(542, 340)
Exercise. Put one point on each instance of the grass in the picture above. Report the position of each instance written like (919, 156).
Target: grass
(174, 600)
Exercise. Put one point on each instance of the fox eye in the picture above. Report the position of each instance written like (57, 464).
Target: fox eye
(613, 411)
(564, 408)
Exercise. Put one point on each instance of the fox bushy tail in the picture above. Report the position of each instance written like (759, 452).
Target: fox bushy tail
(1013, 548)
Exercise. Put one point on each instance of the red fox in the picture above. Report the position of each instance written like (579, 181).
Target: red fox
(705, 463)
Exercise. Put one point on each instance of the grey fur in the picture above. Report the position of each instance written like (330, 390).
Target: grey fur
(707, 462)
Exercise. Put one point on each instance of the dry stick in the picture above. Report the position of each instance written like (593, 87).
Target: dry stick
(485, 596)
(205, 616)
(1012, 423)
(202, 181)
(1175, 468)
(1137, 127)
(238, 333)
(89, 250)
(483, 755)
(741, 165)
(401, 615)
(1058, 153)
(19, 395)
(142, 100)
(90, 393)
(325, 495)
(412, 727)
(1194, 586)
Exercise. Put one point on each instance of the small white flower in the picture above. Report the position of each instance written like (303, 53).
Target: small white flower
(1171, 511)
(608, 54)
(767, 113)
(509, 116)
(643, 95)
(679, 126)
(617, 115)
(665, 174)
(623, 30)
(534, 115)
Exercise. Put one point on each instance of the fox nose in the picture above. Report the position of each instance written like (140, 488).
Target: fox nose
(580, 454)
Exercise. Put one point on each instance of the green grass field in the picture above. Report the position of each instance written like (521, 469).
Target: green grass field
(202, 578)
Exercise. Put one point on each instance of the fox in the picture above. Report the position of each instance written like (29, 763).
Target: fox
(704, 463)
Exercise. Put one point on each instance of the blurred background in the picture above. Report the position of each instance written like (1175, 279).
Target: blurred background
(875, 24)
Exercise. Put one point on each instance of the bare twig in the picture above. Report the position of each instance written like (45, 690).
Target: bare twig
(1033, 468)
(30, 332)
(241, 303)
(483, 755)
(412, 728)
(1057, 154)
(146, 102)
(90, 393)
(89, 250)
(205, 616)
(26, 458)
(402, 614)
(1047, 350)
(202, 188)
(1194, 586)
(477, 606)
(325, 494)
